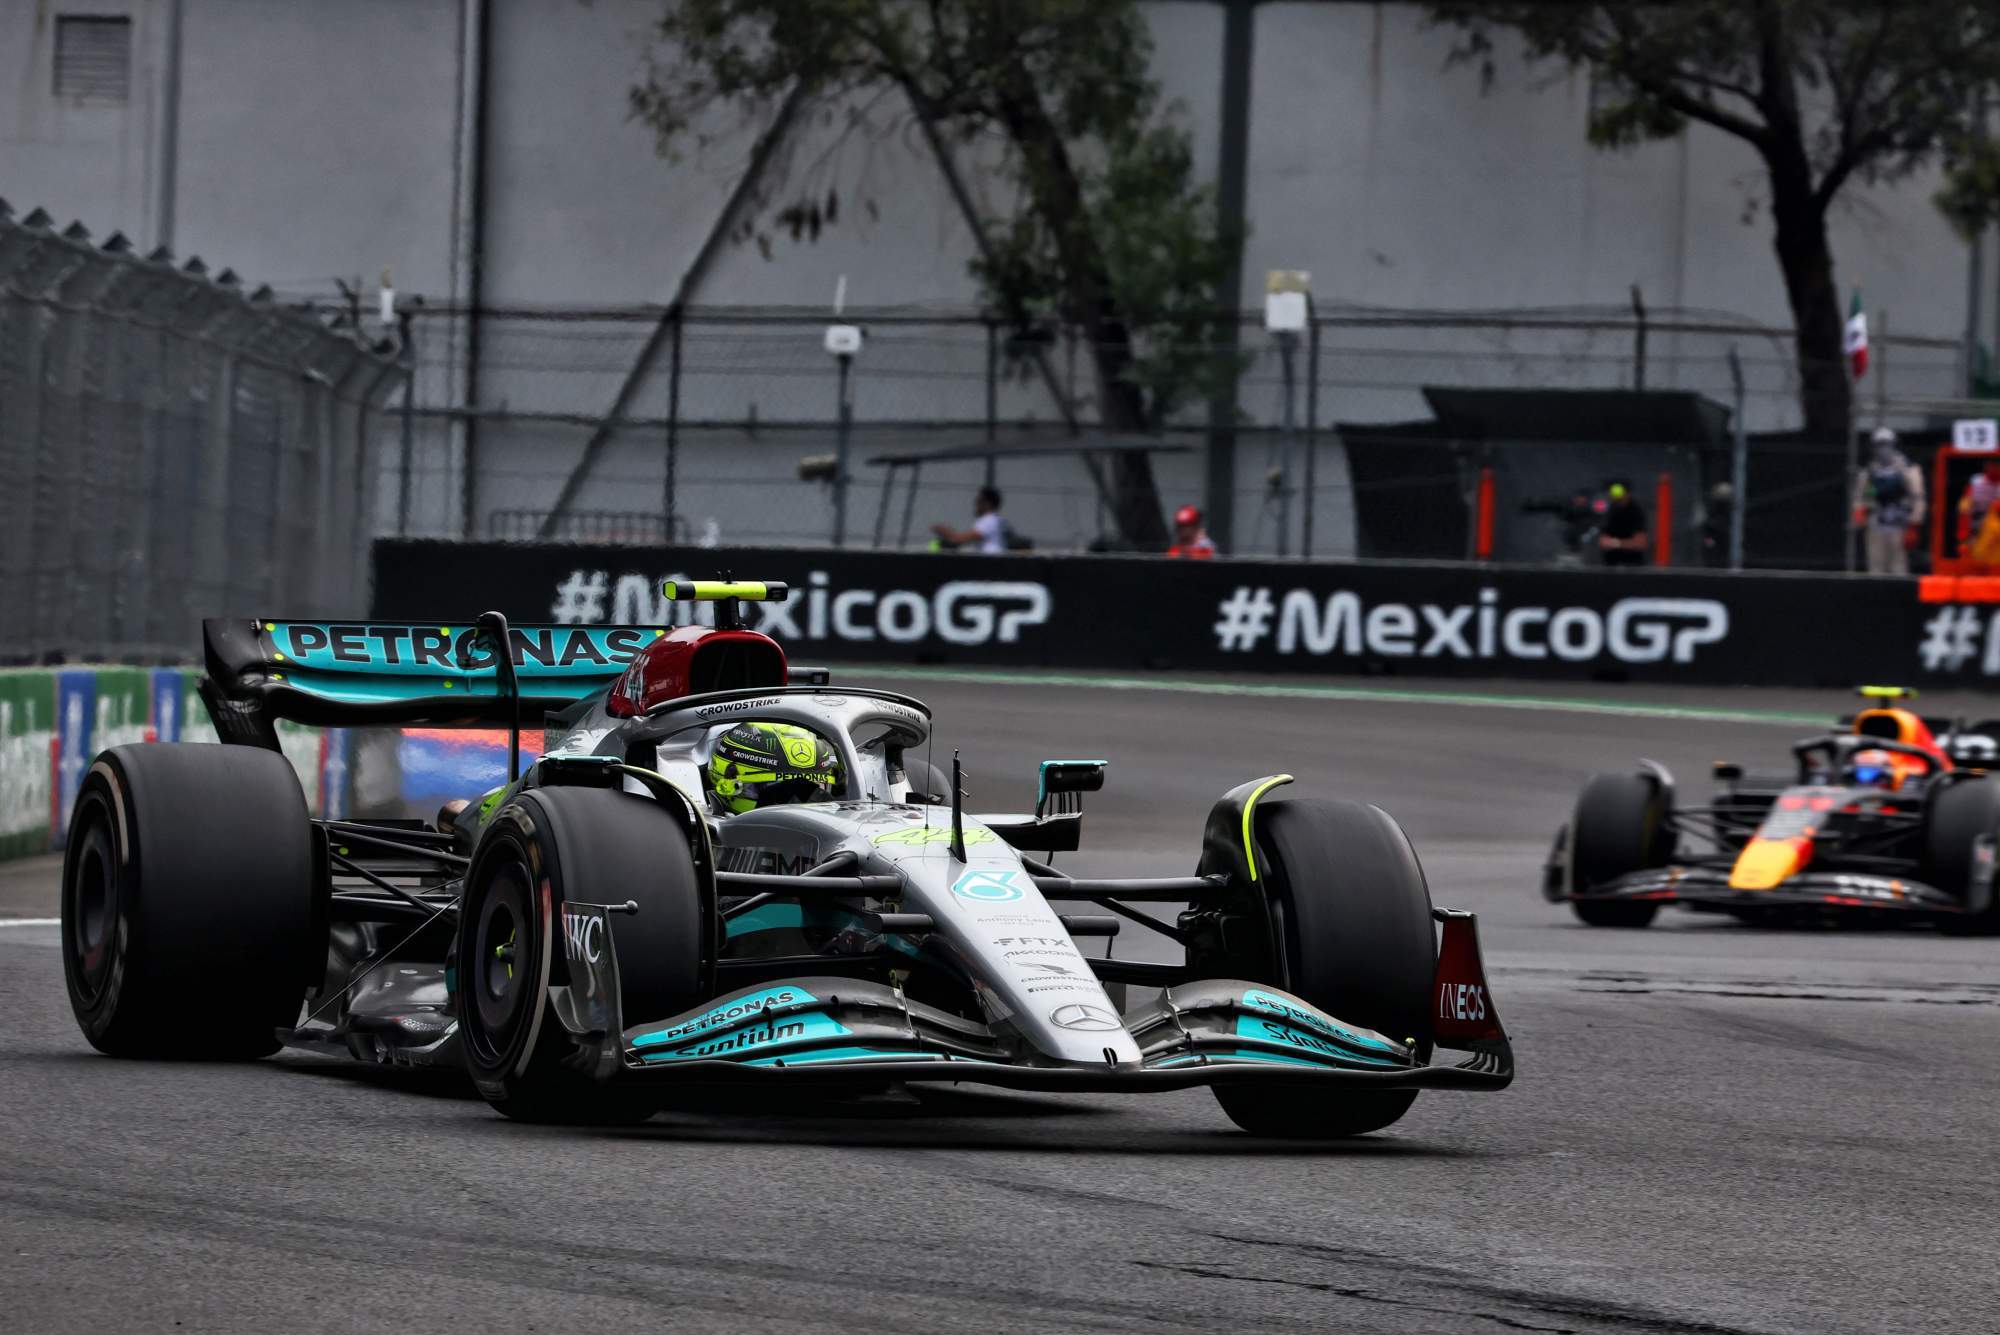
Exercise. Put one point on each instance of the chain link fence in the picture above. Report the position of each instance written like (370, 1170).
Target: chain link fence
(721, 426)
(171, 448)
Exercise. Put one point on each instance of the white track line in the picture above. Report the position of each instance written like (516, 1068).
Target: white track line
(30, 922)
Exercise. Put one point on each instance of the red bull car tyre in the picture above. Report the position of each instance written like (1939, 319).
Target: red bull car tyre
(1620, 826)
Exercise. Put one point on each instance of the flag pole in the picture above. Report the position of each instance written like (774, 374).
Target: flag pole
(1855, 344)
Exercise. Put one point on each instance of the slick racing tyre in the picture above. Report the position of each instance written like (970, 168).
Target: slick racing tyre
(191, 917)
(1620, 826)
(1351, 933)
(1957, 817)
(590, 845)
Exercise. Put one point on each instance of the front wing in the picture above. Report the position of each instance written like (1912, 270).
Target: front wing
(1707, 886)
(1216, 1031)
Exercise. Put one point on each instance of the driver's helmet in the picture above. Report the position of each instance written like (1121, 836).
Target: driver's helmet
(757, 764)
(1873, 767)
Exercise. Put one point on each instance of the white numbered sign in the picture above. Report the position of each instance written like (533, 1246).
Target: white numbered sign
(1976, 433)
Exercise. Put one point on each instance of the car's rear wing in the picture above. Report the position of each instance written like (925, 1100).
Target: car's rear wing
(356, 673)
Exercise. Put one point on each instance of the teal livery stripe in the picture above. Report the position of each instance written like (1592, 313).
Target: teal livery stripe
(737, 1010)
(366, 690)
(1326, 1049)
(1302, 1026)
(1243, 1055)
(779, 1030)
(766, 918)
(778, 917)
(846, 1055)
(325, 657)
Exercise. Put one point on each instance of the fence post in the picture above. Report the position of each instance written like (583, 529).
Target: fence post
(211, 551)
(1739, 466)
(1288, 344)
(408, 444)
(673, 420)
(1312, 429)
(298, 429)
(1638, 339)
(844, 423)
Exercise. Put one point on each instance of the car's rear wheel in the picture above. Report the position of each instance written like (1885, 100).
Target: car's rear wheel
(587, 845)
(1957, 818)
(1351, 933)
(189, 902)
(1622, 824)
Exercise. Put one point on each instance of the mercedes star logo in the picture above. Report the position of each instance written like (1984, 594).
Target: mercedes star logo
(1077, 1016)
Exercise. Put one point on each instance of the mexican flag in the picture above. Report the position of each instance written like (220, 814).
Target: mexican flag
(1856, 340)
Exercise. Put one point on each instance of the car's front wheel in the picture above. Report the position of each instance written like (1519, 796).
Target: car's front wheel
(1351, 932)
(545, 847)
(1622, 824)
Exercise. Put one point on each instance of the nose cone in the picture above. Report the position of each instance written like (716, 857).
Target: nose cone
(1765, 864)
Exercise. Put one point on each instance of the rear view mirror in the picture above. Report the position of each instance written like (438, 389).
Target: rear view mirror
(1064, 777)
(1072, 776)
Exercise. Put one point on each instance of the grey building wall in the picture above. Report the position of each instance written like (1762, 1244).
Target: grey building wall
(88, 161)
(317, 140)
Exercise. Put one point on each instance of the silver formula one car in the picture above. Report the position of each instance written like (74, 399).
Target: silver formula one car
(718, 872)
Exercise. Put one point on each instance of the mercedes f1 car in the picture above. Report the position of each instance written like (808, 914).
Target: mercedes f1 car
(724, 869)
(1892, 816)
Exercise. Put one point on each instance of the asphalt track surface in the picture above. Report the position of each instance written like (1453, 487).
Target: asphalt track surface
(1715, 1128)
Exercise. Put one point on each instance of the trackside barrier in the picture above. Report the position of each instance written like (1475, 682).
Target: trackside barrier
(1407, 619)
(54, 721)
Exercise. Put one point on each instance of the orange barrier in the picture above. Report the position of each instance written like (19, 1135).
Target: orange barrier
(1959, 589)
(1951, 472)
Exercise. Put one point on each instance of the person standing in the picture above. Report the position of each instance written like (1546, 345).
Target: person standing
(988, 531)
(1979, 518)
(1888, 505)
(1191, 540)
(1622, 539)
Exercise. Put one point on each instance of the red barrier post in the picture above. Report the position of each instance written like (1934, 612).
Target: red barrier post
(1663, 525)
(1483, 535)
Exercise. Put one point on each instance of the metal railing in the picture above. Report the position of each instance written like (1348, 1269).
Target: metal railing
(727, 420)
(171, 448)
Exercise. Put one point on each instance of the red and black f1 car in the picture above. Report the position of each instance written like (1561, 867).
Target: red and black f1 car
(1893, 815)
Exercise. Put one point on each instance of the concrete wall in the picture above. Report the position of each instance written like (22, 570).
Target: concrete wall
(321, 140)
(93, 162)
(1401, 183)
(318, 140)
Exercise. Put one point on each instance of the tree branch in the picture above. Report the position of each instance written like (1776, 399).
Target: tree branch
(1663, 89)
